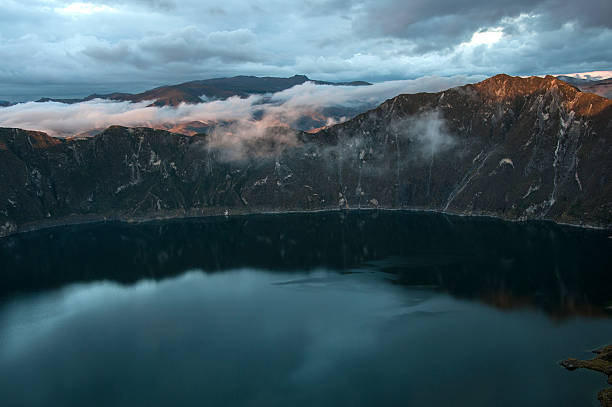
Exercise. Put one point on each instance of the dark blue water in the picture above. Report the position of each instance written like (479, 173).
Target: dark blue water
(365, 308)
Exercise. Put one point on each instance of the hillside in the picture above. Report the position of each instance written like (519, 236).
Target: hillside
(515, 148)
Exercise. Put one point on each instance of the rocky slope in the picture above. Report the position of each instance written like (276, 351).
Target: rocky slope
(533, 148)
(602, 87)
(600, 363)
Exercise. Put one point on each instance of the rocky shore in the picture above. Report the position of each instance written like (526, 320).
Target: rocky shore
(600, 363)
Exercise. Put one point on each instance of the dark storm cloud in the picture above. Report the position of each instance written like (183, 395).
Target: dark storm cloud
(431, 25)
(59, 48)
(116, 53)
(188, 45)
(443, 24)
(165, 5)
(217, 11)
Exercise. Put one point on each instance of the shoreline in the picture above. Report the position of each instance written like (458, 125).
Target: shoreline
(73, 220)
(602, 363)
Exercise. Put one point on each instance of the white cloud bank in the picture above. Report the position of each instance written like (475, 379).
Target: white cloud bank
(257, 111)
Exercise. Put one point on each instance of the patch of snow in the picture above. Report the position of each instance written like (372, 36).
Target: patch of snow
(505, 161)
(531, 189)
(262, 181)
(578, 180)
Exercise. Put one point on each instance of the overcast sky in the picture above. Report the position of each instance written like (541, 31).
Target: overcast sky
(63, 48)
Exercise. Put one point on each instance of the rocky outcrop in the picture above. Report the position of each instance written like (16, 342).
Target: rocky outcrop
(534, 148)
(600, 363)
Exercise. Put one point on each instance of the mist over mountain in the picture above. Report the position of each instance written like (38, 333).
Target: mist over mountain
(601, 87)
(202, 90)
(532, 148)
(307, 106)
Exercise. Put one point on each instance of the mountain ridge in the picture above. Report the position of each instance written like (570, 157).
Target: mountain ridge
(601, 87)
(509, 147)
(215, 88)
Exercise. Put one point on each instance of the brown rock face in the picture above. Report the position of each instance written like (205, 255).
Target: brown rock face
(534, 148)
(600, 363)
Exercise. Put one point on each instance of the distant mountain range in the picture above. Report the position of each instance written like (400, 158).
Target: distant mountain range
(222, 88)
(218, 88)
(515, 148)
(591, 75)
(601, 87)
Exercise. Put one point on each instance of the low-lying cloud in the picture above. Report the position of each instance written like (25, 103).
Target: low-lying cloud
(236, 118)
(429, 133)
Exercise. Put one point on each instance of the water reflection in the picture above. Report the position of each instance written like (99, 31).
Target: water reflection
(562, 271)
(255, 337)
(359, 308)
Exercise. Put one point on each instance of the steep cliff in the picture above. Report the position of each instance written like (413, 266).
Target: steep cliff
(533, 148)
